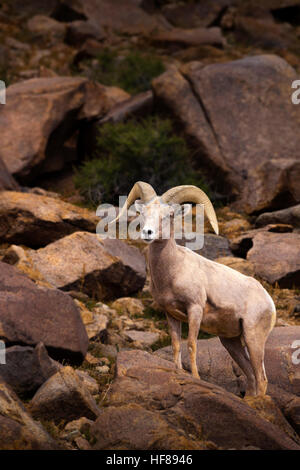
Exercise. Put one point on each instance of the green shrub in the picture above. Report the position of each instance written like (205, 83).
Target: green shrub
(127, 152)
(133, 72)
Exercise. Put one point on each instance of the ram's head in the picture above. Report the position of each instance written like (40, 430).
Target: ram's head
(155, 209)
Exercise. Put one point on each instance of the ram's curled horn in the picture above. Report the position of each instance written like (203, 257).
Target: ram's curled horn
(188, 193)
(140, 190)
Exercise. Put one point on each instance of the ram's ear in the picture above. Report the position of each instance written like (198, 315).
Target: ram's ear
(139, 205)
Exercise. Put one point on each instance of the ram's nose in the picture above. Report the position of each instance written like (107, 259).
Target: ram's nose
(147, 234)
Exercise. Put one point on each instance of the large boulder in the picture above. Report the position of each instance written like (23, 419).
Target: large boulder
(173, 91)
(44, 113)
(241, 244)
(257, 162)
(63, 397)
(147, 431)
(273, 184)
(82, 261)
(276, 257)
(30, 314)
(190, 407)
(27, 368)
(216, 365)
(35, 220)
(18, 431)
(273, 253)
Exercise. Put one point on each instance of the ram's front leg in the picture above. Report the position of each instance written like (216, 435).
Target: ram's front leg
(195, 313)
(175, 332)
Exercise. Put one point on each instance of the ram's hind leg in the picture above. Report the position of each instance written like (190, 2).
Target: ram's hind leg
(255, 339)
(195, 313)
(237, 352)
(175, 332)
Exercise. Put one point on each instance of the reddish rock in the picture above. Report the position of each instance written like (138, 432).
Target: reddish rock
(291, 216)
(276, 258)
(216, 365)
(173, 91)
(18, 431)
(190, 406)
(247, 153)
(122, 16)
(44, 113)
(132, 427)
(35, 220)
(272, 185)
(189, 37)
(99, 268)
(30, 314)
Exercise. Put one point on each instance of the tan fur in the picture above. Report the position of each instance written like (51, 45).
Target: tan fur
(209, 296)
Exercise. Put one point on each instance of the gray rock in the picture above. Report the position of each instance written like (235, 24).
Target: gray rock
(214, 246)
(64, 397)
(216, 366)
(291, 216)
(26, 368)
(276, 258)
(146, 338)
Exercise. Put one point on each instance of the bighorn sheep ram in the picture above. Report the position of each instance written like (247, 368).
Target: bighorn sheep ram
(206, 294)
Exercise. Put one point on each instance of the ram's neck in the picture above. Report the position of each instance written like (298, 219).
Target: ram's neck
(162, 255)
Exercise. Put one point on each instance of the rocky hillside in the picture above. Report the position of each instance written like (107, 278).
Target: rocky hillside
(101, 94)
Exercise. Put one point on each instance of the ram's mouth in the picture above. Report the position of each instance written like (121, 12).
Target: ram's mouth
(148, 240)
